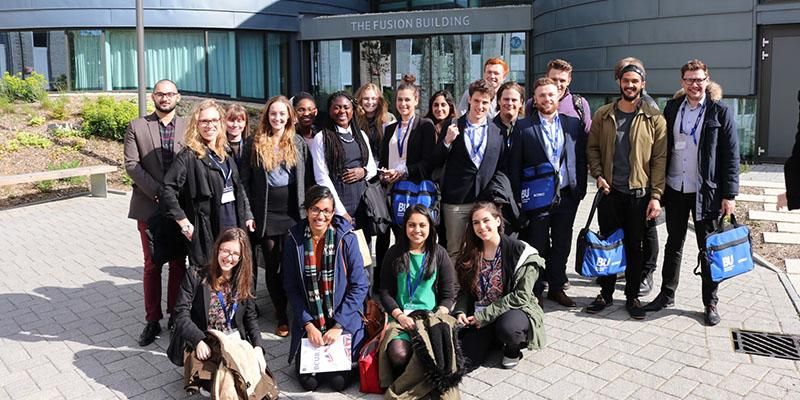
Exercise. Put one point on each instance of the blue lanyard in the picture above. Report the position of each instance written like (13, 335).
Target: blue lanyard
(476, 150)
(225, 175)
(401, 139)
(420, 274)
(553, 137)
(228, 316)
(486, 281)
(696, 122)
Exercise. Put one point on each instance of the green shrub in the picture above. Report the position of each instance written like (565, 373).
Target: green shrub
(126, 179)
(9, 146)
(27, 139)
(30, 89)
(56, 107)
(36, 120)
(60, 83)
(6, 106)
(106, 117)
(47, 185)
(66, 132)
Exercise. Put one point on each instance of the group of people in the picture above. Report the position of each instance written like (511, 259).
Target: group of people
(291, 196)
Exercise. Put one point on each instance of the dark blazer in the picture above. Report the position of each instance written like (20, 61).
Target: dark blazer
(421, 141)
(350, 283)
(528, 150)
(445, 287)
(143, 162)
(791, 171)
(509, 135)
(718, 155)
(193, 189)
(191, 312)
(254, 180)
(462, 182)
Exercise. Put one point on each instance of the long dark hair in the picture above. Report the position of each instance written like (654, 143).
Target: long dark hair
(448, 98)
(430, 246)
(242, 277)
(334, 151)
(316, 193)
(468, 262)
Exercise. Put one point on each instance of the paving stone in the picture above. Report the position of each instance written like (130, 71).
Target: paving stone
(707, 391)
(782, 237)
(738, 384)
(500, 391)
(678, 386)
(558, 392)
(620, 389)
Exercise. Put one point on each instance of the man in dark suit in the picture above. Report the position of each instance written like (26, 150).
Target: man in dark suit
(470, 150)
(548, 138)
(151, 143)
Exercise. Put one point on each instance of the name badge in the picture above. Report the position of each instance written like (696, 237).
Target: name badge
(233, 333)
(478, 308)
(227, 195)
(408, 311)
(680, 145)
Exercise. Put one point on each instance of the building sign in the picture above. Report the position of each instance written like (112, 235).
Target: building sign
(418, 23)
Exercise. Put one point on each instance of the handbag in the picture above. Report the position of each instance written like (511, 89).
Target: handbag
(406, 194)
(363, 247)
(728, 251)
(375, 321)
(539, 186)
(597, 255)
(377, 210)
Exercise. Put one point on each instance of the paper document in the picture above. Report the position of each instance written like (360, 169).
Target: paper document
(334, 357)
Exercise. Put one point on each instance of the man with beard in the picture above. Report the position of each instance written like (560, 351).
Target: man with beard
(510, 97)
(702, 178)
(151, 143)
(627, 152)
(558, 140)
(572, 104)
(495, 71)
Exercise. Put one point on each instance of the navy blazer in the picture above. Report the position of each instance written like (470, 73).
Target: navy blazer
(528, 149)
(461, 182)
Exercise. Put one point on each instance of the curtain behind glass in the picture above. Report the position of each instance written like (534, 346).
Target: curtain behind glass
(251, 65)
(122, 59)
(277, 57)
(221, 66)
(176, 55)
(87, 57)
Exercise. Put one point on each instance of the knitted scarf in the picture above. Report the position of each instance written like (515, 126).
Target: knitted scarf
(319, 287)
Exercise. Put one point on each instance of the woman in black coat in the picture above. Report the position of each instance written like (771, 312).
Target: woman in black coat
(273, 175)
(201, 190)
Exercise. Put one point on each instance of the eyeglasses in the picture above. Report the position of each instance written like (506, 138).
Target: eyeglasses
(693, 81)
(167, 95)
(314, 211)
(207, 122)
(227, 253)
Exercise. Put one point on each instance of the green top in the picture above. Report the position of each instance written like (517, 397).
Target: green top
(424, 296)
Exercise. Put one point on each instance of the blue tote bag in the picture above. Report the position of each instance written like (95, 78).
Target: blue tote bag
(728, 251)
(597, 255)
(406, 194)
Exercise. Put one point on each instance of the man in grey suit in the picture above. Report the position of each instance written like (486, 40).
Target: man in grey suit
(151, 143)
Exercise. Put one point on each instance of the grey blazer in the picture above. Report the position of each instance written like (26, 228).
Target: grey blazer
(143, 162)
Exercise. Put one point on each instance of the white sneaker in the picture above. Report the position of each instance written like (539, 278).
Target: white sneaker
(204, 393)
(509, 362)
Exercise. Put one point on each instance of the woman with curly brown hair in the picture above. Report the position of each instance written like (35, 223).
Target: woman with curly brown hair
(495, 302)
(372, 114)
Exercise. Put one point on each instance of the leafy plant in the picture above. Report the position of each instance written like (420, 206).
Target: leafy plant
(60, 83)
(27, 139)
(6, 106)
(28, 89)
(106, 117)
(126, 179)
(57, 107)
(66, 132)
(36, 120)
(47, 185)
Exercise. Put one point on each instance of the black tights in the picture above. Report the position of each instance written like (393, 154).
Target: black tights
(271, 250)
(399, 352)
(338, 380)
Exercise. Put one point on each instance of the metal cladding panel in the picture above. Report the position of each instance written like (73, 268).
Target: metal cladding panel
(705, 28)
(590, 36)
(605, 12)
(693, 7)
(774, 15)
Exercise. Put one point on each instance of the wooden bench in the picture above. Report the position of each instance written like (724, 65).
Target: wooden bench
(96, 173)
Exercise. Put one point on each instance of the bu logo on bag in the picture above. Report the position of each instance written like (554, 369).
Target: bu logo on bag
(538, 187)
(406, 194)
(597, 255)
(728, 251)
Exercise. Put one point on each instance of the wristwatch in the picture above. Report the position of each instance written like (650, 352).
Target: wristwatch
(186, 228)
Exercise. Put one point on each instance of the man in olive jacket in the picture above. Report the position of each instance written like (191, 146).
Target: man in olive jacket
(151, 143)
(627, 154)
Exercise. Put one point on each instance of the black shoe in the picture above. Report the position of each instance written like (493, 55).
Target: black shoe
(659, 303)
(561, 298)
(635, 309)
(149, 334)
(712, 316)
(647, 285)
(599, 304)
(171, 323)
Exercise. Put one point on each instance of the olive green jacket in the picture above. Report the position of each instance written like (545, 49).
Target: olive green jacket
(648, 156)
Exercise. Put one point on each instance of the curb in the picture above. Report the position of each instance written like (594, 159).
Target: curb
(791, 291)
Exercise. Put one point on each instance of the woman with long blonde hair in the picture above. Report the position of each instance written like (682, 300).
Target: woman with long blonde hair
(372, 114)
(201, 190)
(273, 175)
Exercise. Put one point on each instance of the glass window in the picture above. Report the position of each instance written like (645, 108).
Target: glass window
(121, 59)
(87, 60)
(251, 64)
(277, 67)
(176, 55)
(332, 66)
(221, 63)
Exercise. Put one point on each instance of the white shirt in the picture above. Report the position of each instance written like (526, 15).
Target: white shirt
(475, 140)
(396, 161)
(321, 173)
(682, 174)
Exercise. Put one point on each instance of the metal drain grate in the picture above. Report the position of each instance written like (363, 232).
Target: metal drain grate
(766, 344)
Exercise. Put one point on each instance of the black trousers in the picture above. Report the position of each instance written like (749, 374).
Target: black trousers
(678, 208)
(619, 210)
(551, 235)
(272, 251)
(510, 330)
(650, 248)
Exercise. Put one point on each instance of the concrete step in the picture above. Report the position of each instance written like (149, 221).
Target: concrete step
(792, 266)
(782, 237)
(756, 198)
(775, 216)
(788, 227)
(763, 184)
(770, 207)
(771, 192)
